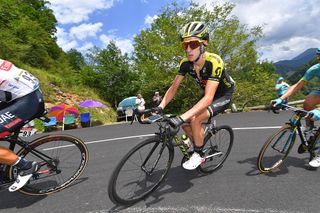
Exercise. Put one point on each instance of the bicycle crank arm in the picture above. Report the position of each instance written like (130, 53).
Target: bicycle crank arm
(218, 153)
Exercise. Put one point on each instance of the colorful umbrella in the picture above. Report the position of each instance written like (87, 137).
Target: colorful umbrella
(60, 110)
(128, 102)
(91, 104)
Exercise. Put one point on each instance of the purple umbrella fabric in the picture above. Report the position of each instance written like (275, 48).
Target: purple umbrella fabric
(91, 104)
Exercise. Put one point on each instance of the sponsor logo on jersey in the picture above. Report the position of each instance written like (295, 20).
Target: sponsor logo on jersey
(6, 66)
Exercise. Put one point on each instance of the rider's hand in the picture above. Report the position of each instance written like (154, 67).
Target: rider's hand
(176, 122)
(157, 109)
(276, 102)
(316, 114)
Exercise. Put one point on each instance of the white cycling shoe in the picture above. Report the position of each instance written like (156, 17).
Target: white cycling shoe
(194, 161)
(24, 177)
(315, 162)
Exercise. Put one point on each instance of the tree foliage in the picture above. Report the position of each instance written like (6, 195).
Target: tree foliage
(27, 33)
(109, 72)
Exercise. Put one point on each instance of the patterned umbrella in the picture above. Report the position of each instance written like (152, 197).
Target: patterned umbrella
(91, 104)
(60, 110)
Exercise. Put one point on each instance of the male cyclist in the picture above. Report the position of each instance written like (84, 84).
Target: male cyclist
(311, 100)
(281, 87)
(21, 101)
(208, 71)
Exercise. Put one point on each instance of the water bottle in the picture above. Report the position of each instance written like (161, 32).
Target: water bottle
(186, 140)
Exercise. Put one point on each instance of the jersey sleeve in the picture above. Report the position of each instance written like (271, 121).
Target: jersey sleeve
(311, 72)
(184, 67)
(217, 68)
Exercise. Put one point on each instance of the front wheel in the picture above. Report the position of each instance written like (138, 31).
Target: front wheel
(62, 159)
(217, 146)
(276, 149)
(140, 171)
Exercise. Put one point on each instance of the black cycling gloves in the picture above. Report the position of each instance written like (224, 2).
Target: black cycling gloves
(157, 109)
(176, 122)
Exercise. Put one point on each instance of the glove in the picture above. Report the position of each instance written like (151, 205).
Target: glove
(176, 122)
(276, 102)
(316, 114)
(157, 109)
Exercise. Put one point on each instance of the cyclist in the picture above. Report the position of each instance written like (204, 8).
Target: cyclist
(21, 101)
(208, 71)
(311, 100)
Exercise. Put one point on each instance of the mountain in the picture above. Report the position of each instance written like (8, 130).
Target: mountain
(288, 67)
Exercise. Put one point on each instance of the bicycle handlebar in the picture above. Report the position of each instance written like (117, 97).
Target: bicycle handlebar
(302, 112)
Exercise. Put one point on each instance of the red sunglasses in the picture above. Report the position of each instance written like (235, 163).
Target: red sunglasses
(192, 44)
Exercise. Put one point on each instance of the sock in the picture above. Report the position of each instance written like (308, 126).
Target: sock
(22, 164)
(199, 150)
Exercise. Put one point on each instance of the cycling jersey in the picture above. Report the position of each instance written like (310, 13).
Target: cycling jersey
(312, 72)
(16, 81)
(281, 89)
(212, 70)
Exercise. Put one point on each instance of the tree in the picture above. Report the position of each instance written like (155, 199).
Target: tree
(109, 71)
(157, 50)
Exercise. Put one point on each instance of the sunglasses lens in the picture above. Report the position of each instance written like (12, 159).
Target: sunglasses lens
(192, 44)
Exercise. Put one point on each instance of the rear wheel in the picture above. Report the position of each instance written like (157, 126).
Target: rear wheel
(140, 171)
(276, 149)
(217, 146)
(62, 159)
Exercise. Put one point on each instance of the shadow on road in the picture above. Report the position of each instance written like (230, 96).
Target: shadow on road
(283, 169)
(177, 181)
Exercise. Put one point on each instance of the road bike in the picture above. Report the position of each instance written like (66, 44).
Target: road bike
(62, 159)
(278, 146)
(145, 166)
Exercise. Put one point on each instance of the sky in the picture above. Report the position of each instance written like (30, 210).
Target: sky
(289, 27)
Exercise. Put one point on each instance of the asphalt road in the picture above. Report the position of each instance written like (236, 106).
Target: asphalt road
(236, 187)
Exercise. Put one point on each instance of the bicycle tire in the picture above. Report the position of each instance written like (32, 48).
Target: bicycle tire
(218, 144)
(66, 152)
(126, 185)
(276, 149)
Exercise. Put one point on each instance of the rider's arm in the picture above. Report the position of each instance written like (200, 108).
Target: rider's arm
(293, 89)
(204, 102)
(171, 91)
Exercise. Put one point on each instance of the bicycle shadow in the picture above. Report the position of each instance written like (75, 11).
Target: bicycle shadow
(177, 181)
(283, 169)
(19, 200)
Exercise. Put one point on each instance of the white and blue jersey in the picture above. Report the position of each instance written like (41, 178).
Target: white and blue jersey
(312, 72)
(281, 89)
(16, 81)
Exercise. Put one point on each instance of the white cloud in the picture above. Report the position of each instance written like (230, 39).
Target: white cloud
(284, 22)
(64, 40)
(71, 11)
(150, 19)
(125, 45)
(84, 31)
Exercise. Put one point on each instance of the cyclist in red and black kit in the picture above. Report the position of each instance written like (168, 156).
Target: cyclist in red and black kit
(20, 102)
(209, 72)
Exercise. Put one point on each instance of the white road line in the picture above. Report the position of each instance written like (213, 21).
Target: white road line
(149, 135)
(206, 209)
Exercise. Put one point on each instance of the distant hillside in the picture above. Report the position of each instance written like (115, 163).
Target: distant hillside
(288, 67)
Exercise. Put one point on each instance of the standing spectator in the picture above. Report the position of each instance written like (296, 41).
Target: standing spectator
(281, 87)
(156, 100)
(140, 104)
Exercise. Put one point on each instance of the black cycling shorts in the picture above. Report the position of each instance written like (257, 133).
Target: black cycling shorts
(220, 103)
(17, 113)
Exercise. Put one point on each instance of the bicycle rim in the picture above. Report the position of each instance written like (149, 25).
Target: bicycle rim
(64, 160)
(130, 183)
(276, 149)
(217, 147)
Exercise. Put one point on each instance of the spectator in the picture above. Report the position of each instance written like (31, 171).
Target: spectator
(156, 100)
(281, 87)
(140, 104)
